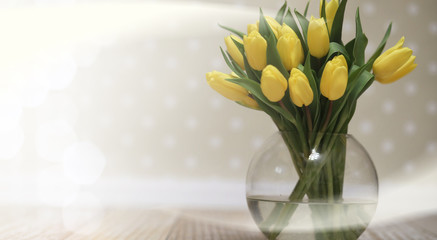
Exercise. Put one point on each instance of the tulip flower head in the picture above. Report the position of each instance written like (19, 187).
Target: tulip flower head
(290, 48)
(217, 81)
(330, 11)
(300, 89)
(256, 50)
(394, 63)
(334, 78)
(318, 37)
(273, 83)
(234, 51)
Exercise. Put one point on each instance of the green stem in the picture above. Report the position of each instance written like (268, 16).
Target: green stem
(300, 133)
(328, 116)
(329, 179)
(313, 169)
(309, 121)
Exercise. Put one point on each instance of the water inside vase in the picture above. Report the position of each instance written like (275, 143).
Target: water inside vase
(281, 219)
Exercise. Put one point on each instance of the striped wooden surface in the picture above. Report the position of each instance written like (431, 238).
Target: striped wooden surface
(164, 224)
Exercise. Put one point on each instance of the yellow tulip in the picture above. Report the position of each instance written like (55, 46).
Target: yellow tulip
(290, 48)
(334, 78)
(273, 83)
(256, 50)
(251, 28)
(318, 37)
(232, 91)
(233, 50)
(250, 103)
(330, 11)
(300, 89)
(394, 63)
(274, 25)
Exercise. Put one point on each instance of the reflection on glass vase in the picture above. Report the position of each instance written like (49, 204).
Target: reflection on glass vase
(327, 193)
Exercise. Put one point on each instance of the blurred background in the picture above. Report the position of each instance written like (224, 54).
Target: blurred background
(106, 102)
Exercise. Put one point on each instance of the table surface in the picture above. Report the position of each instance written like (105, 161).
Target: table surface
(167, 224)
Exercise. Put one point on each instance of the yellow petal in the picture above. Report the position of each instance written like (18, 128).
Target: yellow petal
(318, 37)
(392, 62)
(290, 50)
(334, 78)
(285, 29)
(273, 83)
(251, 28)
(234, 51)
(326, 76)
(304, 91)
(300, 89)
(398, 45)
(217, 81)
(338, 83)
(408, 67)
(250, 103)
(255, 47)
(331, 10)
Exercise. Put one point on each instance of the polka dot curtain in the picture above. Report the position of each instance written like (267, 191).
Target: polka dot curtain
(128, 99)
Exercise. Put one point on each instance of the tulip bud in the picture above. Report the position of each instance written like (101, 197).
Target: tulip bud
(330, 11)
(256, 50)
(273, 83)
(290, 48)
(232, 91)
(334, 78)
(318, 38)
(234, 51)
(251, 28)
(274, 25)
(394, 63)
(300, 89)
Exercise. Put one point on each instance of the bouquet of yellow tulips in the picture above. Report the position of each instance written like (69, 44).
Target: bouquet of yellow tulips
(300, 73)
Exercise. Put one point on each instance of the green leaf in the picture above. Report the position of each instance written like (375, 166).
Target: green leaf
(355, 77)
(335, 49)
(348, 112)
(369, 83)
(232, 65)
(323, 11)
(360, 85)
(273, 57)
(350, 49)
(306, 9)
(264, 27)
(280, 15)
(303, 23)
(251, 73)
(255, 89)
(238, 33)
(380, 48)
(289, 20)
(360, 42)
(315, 105)
(337, 24)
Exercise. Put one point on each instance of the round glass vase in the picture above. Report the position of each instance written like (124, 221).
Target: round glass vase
(327, 193)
